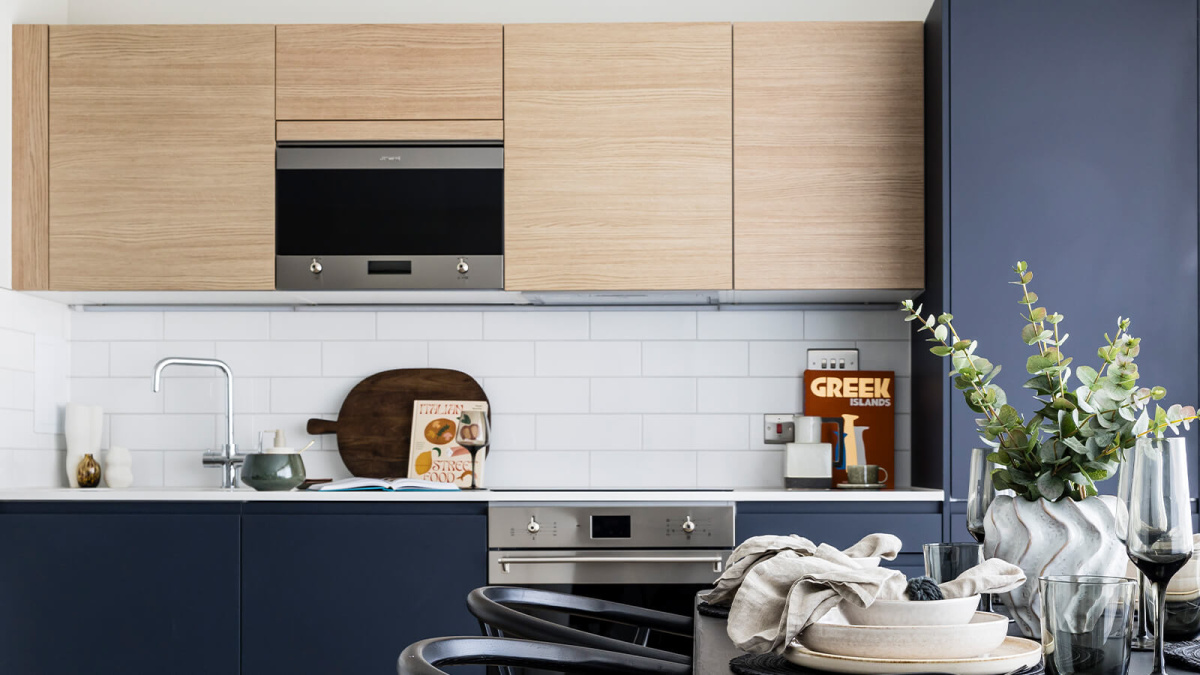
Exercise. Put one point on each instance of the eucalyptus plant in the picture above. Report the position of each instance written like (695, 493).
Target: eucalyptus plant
(1079, 433)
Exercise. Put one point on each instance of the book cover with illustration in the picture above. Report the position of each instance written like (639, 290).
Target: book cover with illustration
(858, 417)
(433, 453)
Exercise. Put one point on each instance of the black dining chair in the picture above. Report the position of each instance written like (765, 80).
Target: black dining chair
(424, 657)
(504, 611)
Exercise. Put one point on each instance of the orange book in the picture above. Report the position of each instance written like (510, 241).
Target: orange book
(858, 413)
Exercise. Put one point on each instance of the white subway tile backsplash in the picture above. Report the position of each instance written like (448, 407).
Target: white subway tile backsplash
(589, 432)
(885, 355)
(484, 359)
(117, 394)
(903, 432)
(693, 359)
(653, 325)
(306, 394)
(207, 395)
(750, 395)
(551, 325)
(588, 359)
(16, 389)
(360, 359)
(147, 468)
(537, 394)
(903, 468)
(271, 359)
(643, 395)
(513, 432)
(744, 469)
(293, 425)
(39, 468)
(185, 469)
(19, 432)
(446, 325)
(855, 325)
(89, 359)
(114, 326)
(322, 325)
(247, 325)
(640, 469)
(165, 432)
(774, 358)
(16, 350)
(695, 432)
(137, 359)
(750, 325)
(324, 464)
(537, 469)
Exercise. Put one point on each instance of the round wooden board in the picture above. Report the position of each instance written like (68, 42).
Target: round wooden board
(375, 423)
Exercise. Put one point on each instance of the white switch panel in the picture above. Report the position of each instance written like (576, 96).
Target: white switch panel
(833, 359)
(779, 429)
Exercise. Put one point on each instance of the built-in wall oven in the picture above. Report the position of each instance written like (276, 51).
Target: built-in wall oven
(649, 554)
(389, 216)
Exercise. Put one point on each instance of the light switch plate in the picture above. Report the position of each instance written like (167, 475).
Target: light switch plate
(833, 359)
(779, 429)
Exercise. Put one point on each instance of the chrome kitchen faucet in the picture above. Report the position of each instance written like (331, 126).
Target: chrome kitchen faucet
(227, 458)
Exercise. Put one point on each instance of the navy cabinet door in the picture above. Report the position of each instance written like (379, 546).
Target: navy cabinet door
(344, 591)
(1073, 145)
(118, 593)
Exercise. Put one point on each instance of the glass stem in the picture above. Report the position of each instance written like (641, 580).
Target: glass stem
(1143, 628)
(1161, 593)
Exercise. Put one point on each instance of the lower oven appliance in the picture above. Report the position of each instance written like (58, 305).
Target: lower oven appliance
(371, 216)
(649, 554)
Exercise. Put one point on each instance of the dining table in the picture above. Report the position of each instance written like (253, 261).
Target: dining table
(712, 650)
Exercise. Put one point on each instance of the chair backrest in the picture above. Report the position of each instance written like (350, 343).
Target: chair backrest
(424, 657)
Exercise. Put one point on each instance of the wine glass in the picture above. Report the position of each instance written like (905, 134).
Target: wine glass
(1159, 540)
(1143, 639)
(980, 494)
(474, 434)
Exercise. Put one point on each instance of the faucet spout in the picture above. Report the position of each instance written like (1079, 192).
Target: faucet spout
(227, 458)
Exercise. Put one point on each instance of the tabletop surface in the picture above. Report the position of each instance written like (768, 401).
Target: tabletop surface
(712, 650)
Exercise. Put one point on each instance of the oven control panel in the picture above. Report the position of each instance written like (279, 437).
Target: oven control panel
(666, 525)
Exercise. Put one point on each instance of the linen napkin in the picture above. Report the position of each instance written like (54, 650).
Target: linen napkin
(866, 553)
(991, 576)
(781, 596)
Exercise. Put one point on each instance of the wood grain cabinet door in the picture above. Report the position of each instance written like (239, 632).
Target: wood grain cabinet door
(618, 161)
(162, 157)
(828, 135)
(390, 72)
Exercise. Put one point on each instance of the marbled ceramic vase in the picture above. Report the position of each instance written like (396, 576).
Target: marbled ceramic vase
(1043, 538)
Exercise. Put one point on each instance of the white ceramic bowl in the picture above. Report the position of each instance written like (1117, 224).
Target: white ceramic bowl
(984, 633)
(953, 612)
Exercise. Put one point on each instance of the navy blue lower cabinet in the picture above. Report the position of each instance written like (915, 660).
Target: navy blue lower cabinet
(841, 524)
(343, 588)
(119, 588)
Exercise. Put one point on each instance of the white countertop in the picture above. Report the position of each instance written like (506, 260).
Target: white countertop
(248, 495)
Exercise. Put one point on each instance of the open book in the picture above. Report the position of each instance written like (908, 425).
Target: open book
(395, 484)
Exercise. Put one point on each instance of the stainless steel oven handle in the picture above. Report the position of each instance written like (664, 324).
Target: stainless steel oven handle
(718, 563)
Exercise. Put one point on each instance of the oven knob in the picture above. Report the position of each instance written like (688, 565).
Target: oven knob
(315, 267)
(688, 526)
(533, 526)
(462, 266)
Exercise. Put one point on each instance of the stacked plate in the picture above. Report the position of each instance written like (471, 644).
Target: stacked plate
(913, 637)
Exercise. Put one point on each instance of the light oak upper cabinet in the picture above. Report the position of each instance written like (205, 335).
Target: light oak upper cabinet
(162, 169)
(390, 72)
(618, 161)
(828, 155)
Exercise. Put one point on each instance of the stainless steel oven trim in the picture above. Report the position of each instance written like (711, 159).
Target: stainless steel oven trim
(718, 562)
(397, 156)
(659, 566)
(349, 272)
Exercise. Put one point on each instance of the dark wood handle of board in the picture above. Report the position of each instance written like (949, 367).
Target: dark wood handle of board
(318, 426)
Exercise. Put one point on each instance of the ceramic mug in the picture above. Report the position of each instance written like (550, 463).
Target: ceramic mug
(865, 474)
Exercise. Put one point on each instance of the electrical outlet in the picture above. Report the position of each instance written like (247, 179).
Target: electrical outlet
(833, 359)
(779, 429)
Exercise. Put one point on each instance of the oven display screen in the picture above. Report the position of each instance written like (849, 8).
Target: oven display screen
(610, 527)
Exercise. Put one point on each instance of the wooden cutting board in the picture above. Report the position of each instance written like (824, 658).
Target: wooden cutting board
(375, 423)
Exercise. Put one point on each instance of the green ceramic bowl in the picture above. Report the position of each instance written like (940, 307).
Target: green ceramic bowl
(273, 471)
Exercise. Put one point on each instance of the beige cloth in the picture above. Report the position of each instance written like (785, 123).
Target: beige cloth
(991, 576)
(866, 553)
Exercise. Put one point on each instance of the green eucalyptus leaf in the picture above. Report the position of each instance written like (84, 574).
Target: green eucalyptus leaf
(1050, 486)
(941, 332)
(1037, 313)
(1086, 374)
(941, 350)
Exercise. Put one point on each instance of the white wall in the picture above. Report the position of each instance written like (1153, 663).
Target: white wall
(603, 398)
(502, 11)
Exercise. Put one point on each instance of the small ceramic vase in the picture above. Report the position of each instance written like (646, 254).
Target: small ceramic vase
(88, 472)
(118, 468)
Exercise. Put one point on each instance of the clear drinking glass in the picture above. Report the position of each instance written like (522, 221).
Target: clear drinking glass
(1159, 540)
(474, 434)
(946, 561)
(1087, 624)
(980, 494)
(1143, 633)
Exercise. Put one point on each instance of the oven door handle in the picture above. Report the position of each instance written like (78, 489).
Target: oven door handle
(717, 562)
